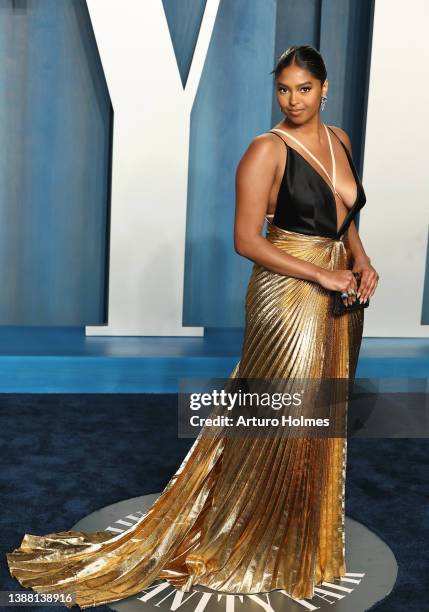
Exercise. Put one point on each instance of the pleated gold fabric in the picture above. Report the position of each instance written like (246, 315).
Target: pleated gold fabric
(240, 515)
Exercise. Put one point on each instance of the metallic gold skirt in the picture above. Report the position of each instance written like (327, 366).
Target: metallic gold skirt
(241, 515)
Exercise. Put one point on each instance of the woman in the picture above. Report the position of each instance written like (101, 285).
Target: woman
(250, 515)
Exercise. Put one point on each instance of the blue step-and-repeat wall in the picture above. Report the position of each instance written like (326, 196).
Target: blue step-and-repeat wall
(87, 222)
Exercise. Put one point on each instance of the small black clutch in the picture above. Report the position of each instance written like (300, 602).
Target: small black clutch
(339, 308)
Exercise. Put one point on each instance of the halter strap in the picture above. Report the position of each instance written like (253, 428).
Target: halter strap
(334, 170)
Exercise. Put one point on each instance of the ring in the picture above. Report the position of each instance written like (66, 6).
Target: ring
(344, 295)
(352, 292)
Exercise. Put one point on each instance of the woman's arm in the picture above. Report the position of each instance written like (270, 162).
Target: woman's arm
(353, 238)
(255, 177)
(362, 264)
(361, 261)
(253, 182)
(356, 245)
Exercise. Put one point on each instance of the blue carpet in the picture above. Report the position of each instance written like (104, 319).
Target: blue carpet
(64, 456)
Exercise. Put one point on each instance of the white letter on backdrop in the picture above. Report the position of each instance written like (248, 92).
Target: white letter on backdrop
(150, 164)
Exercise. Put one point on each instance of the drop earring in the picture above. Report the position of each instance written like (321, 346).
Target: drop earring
(323, 102)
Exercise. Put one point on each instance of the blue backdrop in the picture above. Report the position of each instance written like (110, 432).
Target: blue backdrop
(55, 121)
(56, 132)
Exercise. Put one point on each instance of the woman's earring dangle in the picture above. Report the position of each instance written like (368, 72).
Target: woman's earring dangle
(323, 102)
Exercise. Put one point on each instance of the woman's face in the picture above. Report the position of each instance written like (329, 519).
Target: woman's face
(299, 93)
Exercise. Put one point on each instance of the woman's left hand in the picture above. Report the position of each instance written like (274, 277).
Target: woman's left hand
(368, 279)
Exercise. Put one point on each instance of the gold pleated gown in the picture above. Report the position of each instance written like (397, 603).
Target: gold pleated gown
(240, 515)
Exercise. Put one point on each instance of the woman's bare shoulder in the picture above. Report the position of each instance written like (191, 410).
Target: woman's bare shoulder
(343, 136)
(265, 145)
(262, 159)
(269, 137)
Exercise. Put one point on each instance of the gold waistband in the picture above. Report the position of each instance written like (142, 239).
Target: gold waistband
(279, 232)
(328, 252)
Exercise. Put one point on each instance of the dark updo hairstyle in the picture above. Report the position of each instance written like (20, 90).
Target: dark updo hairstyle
(305, 57)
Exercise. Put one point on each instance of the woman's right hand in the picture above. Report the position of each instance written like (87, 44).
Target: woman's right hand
(339, 280)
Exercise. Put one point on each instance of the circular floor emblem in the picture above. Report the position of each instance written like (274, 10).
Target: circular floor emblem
(371, 577)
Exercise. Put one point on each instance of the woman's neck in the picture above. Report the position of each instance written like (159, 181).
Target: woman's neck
(313, 128)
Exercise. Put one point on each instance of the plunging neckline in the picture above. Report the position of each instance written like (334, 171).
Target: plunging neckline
(326, 184)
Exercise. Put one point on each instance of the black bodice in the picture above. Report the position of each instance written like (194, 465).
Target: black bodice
(306, 202)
